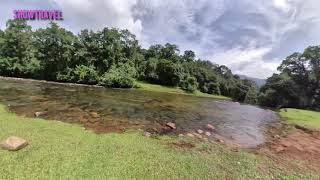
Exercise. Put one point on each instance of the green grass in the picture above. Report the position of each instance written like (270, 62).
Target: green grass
(66, 151)
(308, 119)
(159, 88)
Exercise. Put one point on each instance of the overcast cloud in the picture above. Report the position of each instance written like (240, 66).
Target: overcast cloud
(250, 37)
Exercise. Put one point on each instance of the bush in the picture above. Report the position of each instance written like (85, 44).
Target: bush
(190, 84)
(214, 88)
(119, 77)
(169, 73)
(81, 74)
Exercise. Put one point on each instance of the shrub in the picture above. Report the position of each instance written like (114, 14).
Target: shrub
(119, 77)
(190, 84)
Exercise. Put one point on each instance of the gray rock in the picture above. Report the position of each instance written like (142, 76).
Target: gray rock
(211, 127)
(13, 143)
(199, 131)
(190, 135)
(171, 125)
(147, 134)
(207, 133)
(41, 114)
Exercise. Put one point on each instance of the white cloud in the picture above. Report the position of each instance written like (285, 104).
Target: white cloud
(252, 37)
(80, 14)
(247, 61)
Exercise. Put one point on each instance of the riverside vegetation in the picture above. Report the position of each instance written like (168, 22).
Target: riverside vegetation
(114, 58)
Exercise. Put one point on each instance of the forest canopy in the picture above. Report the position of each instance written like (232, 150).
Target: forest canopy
(113, 58)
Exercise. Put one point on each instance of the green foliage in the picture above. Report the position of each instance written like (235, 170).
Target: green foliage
(213, 88)
(109, 57)
(169, 73)
(298, 83)
(119, 77)
(189, 85)
(252, 96)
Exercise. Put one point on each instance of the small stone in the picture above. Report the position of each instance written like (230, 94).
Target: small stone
(276, 136)
(220, 141)
(181, 135)
(94, 114)
(190, 135)
(197, 135)
(147, 134)
(171, 125)
(13, 143)
(279, 149)
(211, 127)
(207, 133)
(200, 131)
(41, 114)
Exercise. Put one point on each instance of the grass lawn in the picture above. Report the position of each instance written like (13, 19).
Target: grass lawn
(308, 119)
(159, 88)
(66, 151)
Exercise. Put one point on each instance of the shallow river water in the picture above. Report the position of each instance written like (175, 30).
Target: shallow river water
(115, 110)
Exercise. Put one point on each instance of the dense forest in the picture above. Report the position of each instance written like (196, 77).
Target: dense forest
(111, 58)
(114, 58)
(297, 85)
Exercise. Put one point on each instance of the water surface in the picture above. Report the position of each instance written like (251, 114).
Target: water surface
(115, 110)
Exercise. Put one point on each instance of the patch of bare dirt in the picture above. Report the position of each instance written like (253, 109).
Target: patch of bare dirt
(299, 144)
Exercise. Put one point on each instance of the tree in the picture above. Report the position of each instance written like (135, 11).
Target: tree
(169, 73)
(252, 96)
(189, 56)
(55, 50)
(189, 84)
(119, 77)
(17, 54)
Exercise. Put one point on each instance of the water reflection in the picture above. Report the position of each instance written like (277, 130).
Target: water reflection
(114, 110)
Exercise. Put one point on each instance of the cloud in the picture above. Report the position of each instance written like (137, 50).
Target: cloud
(252, 37)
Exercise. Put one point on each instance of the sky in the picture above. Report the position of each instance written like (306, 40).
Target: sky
(251, 37)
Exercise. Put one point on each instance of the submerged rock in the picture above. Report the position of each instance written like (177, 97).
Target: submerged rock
(41, 114)
(94, 114)
(210, 126)
(199, 131)
(171, 125)
(207, 133)
(190, 135)
(13, 143)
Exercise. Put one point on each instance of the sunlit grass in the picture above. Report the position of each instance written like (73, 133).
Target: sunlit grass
(159, 88)
(66, 151)
(308, 119)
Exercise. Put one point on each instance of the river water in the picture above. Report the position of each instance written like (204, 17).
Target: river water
(115, 110)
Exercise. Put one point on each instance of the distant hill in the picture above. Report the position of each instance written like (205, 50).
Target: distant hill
(259, 82)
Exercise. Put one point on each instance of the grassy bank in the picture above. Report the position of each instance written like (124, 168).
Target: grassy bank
(308, 119)
(159, 88)
(64, 151)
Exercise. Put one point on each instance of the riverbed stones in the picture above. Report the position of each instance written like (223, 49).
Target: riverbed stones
(207, 133)
(41, 114)
(210, 127)
(197, 135)
(94, 114)
(199, 131)
(147, 134)
(171, 125)
(190, 135)
(13, 143)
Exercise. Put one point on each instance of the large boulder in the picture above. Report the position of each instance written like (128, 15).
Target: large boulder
(13, 143)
